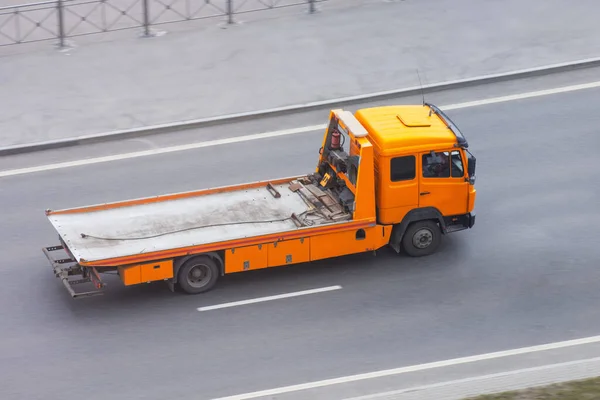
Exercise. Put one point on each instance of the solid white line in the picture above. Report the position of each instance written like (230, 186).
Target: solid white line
(522, 96)
(269, 298)
(413, 368)
(477, 378)
(171, 149)
(284, 132)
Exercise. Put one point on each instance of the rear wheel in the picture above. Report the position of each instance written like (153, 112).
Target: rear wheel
(422, 238)
(198, 274)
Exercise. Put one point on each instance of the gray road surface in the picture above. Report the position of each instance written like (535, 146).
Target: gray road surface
(525, 275)
(201, 71)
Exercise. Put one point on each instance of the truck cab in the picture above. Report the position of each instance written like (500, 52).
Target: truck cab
(423, 173)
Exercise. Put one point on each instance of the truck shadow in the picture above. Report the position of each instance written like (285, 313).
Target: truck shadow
(351, 270)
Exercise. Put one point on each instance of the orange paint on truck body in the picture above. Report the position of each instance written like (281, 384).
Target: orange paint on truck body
(149, 272)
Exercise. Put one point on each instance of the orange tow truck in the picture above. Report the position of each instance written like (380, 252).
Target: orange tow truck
(393, 175)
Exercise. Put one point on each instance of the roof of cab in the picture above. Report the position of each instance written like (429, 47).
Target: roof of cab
(405, 126)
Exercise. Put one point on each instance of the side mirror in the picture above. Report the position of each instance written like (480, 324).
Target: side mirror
(471, 166)
(472, 161)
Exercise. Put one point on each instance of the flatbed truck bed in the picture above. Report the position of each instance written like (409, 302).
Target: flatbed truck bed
(99, 234)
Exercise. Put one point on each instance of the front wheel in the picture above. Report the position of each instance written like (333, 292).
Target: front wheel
(198, 275)
(422, 238)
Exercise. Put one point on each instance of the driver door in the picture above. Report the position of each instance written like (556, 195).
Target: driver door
(442, 182)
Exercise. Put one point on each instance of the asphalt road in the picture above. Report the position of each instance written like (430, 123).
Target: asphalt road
(526, 274)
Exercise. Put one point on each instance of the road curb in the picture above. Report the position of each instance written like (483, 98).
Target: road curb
(297, 108)
(519, 379)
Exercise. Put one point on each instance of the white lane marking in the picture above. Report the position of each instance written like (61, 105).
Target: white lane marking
(413, 368)
(269, 298)
(522, 96)
(278, 133)
(171, 149)
(487, 377)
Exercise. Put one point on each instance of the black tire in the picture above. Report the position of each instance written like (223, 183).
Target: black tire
(198, 275)
(422, 238)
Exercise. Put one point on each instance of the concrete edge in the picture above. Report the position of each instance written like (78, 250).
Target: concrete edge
(512, 380)
(297, 108)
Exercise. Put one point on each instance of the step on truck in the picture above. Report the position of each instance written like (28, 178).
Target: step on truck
(398, 176)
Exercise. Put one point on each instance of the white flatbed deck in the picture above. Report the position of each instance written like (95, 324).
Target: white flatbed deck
(189, 221)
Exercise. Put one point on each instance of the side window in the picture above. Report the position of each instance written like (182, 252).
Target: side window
(436, 165)
(403, 168)
(457, 165)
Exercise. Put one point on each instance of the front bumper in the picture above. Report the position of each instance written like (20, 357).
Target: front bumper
(459, 222)
(471, 219)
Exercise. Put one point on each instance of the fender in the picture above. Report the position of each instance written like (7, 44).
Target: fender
(418, 214)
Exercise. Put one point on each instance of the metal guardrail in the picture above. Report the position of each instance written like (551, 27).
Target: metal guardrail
(62, 19)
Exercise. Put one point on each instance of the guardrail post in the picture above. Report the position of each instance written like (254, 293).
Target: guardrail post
(146, 11)
(311, 5)
(61, 23)
(230, 11)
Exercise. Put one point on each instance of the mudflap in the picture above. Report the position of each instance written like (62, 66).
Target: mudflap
(64, 268)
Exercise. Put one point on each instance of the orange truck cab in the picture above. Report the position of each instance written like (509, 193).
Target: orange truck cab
(398, 176)
(424, 175)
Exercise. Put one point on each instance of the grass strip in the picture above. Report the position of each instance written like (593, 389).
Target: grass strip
(586, 389)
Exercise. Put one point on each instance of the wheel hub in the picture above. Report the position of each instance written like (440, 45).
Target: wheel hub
(199, 275)
(422, 238)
